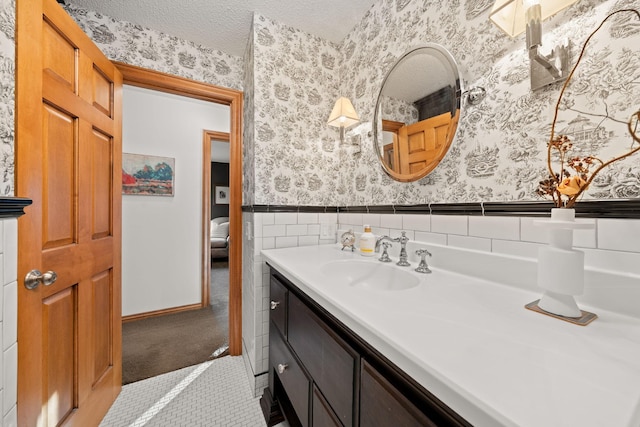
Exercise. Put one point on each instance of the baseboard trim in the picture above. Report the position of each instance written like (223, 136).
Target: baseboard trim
(162, 312)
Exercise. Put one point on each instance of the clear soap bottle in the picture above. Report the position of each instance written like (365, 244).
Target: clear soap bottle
(367, 242)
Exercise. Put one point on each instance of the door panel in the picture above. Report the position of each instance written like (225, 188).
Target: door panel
(102, 92)
(58, 166)
(423, 142)
(101, 148)
(68, 145)
(59, 356)
(102, 345)
(60, 59)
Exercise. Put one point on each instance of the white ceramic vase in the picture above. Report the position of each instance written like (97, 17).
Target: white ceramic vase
(560, 267)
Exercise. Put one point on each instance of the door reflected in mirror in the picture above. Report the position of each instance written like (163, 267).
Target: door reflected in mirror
(417, 113)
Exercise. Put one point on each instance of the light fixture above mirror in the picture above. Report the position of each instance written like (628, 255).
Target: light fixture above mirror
(517, 16)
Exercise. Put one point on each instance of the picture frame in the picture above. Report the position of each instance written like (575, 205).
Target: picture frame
(221, 195)
(146, 175)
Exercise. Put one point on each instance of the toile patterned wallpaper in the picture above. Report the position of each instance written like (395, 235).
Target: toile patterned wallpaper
(500, 149)
(248, 146)
(291, 80)
(143, 47)
(296, 82)
(7, 95)
(120, 41)
(398, 110)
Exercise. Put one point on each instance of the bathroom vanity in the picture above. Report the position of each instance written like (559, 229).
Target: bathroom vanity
(444, 349)
(326, 375)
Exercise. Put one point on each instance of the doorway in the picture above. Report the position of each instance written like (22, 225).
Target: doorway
(215, 212)
(154, 80)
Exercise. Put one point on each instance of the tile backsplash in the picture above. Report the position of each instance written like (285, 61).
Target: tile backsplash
(612, 255)
(268, 231)
(9, 321)
(607, 239)
(606, 253)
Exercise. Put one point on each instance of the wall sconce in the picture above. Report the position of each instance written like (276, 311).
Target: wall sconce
(515, 16)
(343, 116)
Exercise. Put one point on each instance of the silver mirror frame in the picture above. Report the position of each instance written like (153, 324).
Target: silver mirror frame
(377, 119)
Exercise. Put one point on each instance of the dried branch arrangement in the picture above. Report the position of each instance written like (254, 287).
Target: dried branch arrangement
(576, 173)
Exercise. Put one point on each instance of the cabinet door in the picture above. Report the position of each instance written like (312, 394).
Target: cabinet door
(278, 304)
(328, 359)
(322, 416)
(382, 405)
(292, 377)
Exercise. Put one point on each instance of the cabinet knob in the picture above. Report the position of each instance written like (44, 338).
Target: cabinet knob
(282, 367)
(274, 304)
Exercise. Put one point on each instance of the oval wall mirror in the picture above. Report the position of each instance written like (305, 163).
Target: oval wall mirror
(417, 112)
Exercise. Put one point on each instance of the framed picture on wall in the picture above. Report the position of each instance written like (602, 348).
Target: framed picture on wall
(145, 175)
(221, 195)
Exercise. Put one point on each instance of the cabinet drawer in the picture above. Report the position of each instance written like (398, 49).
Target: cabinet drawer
(381, 404)
(328, 359)
(293, 379)
(278, 304)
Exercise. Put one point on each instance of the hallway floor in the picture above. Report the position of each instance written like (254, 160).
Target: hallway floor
(214, 393)
(157, 345)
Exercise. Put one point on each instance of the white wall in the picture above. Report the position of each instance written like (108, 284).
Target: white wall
(161, 236)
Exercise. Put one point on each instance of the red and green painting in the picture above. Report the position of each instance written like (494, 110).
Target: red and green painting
(147, 175)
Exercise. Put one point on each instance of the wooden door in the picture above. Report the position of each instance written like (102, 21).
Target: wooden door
(422, 143)
(68, 148)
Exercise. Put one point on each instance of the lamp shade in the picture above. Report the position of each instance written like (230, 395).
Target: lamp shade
(343, 114)
(509, 15)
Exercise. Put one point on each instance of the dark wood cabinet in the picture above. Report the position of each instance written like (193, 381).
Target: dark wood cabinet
(278, 304)
(329, 360)
(381, 404)
(290, 374)
(323, 416)
(323, 374)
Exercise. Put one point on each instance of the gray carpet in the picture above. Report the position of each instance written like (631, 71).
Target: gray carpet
(219, 292)
(163, 344)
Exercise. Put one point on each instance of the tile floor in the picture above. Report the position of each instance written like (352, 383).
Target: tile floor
(214, 393)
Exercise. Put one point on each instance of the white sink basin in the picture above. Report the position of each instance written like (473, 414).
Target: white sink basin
(370, 275)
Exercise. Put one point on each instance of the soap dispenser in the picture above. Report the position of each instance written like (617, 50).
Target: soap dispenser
(367, 242)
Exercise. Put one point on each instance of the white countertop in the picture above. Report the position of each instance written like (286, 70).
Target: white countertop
(474, 345)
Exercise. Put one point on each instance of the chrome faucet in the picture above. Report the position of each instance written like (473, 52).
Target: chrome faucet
(381, 239)
(403, 250)
(385, 255)
(403, 239)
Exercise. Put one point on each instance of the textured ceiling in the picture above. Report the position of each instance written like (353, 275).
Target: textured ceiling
(225, 25)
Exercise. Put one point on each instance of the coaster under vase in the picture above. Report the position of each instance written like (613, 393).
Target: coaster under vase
(586, 318)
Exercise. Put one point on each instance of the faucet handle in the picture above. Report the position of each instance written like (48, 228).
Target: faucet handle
(423, 253)
(423, 267)
(385, 256)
